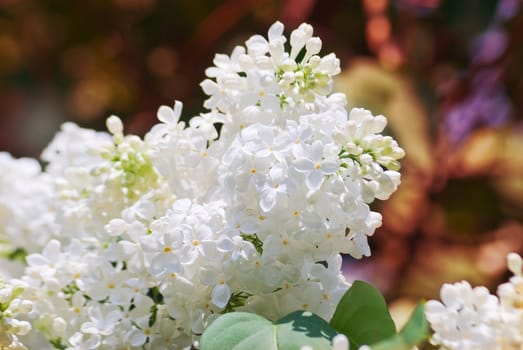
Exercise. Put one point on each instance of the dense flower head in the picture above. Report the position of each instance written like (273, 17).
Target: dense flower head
(151, 239)
(263, 74)
(472, 318)
(26, 205)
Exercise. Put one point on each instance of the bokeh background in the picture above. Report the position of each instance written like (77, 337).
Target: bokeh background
(447, 74)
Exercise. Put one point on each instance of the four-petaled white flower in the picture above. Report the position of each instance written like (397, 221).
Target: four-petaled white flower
(311, 160)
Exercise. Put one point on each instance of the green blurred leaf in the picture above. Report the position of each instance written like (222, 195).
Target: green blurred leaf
(246, 331)
(417, 328)
(362, 315)
(414, 333)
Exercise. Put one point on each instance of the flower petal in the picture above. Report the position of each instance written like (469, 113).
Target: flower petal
(221, 295)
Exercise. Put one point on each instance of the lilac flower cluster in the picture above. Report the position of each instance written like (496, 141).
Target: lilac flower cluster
(148, 240)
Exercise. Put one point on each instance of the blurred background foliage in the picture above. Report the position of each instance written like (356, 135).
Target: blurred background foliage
(448, 75)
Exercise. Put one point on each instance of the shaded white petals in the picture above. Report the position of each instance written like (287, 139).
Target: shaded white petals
(189, 256)
(209, 275)
(450, 294)
(52, 250)
(314, 179)
(275, 31)
(330, 65)
(86, 341)
(136, 337)
(209, 250)
(313, 46)
(221, 294)
(169, 115)
(268, 200)
(164, 263)
(210, 87)
(329, 167)
(303, 165)
(221, 60)
(116, 227)
(36, 260)
(515, 263)
(257, 46)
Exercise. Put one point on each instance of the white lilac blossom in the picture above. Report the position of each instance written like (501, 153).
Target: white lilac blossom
(12, 306)
(146, 241)
(26, 206)
(472, 318)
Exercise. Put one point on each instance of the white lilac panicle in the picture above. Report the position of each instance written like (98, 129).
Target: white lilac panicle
(472, 318)
(95, 176)
(303, 161)
(12, 307)
(467, 318)
(27, 220)
(151, 239)
(511, 305)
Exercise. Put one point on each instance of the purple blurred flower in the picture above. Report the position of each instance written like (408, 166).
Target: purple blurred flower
(507, 9)
(489, 46)
(485, 106)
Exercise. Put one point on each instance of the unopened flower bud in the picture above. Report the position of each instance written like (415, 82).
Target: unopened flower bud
(114, 125)
(514, 263)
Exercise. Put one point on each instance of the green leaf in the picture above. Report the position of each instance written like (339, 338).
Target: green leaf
(417, 328)
(413, 333)
(362, 315)
(246, 331)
